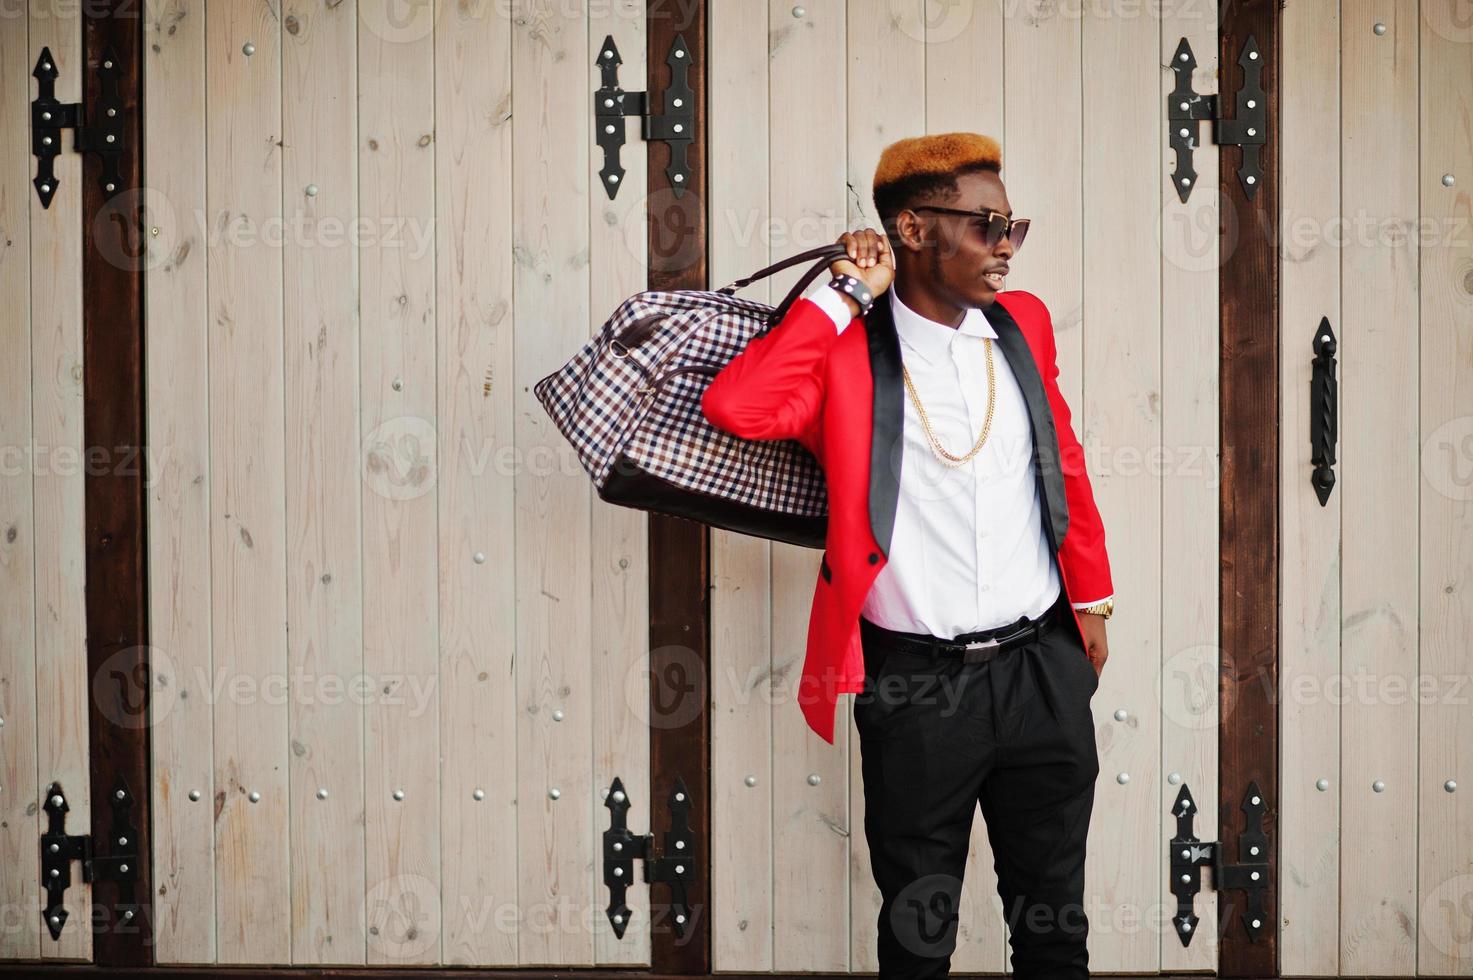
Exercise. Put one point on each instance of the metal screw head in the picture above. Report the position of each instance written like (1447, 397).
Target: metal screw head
(56, 800)
(679, 797)
(120, 795)
(1447, 180)
(123, 868)
(800, 11)
(1173, 778)
(194, 795)
(1379, 785)
(46, 141)
(1121, 714)
(555, 793)
(479, 794)
(110, 187)
(750, 780)
(397, 384)
(1256, 800)
(1257, 923)
(813, 779)
(679, 178)
(46, 187)
(619, 796)
(618, 872)
(1252, 179)
(1252, 55)
(479, 558)
(1322, 784)
(248, 48)
(1186, 927)
(398, 794)
(107, 64)
(255, 797)
(557, 714)
(46, 115)
(618, 846)
(311, 190)
(680, 845)
(1122, 778)
(122, 842)
(1451, 785)
(1254, 875)
(1182, 56)
(1380, 29)
(322, 792)
(680, 919)
(618, 919)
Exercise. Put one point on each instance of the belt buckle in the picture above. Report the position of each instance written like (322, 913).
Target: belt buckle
(979, 651)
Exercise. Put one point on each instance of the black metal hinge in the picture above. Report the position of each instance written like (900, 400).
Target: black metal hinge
(1324, 411)
(1248, 128)
(98, 129)
(59, 849)
(1189, 855)
(675, 866)
(676, 126)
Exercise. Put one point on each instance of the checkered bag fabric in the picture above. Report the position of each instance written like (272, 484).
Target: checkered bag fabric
(629, 403)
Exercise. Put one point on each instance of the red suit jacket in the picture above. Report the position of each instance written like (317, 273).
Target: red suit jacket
(839, 394)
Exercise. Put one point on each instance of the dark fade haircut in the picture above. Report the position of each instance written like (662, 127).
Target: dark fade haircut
(925, 168)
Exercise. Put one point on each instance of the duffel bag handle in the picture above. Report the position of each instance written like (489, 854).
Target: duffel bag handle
(825, 254)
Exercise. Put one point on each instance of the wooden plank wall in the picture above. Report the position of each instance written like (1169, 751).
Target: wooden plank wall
(1376, 610)
(1444, 176)
(789, 808)
(385, 597)
(20, 821)
(43, 653)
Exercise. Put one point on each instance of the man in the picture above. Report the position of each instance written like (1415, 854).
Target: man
(964, 586)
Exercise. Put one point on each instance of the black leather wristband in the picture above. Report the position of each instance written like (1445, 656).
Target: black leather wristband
(854, 286)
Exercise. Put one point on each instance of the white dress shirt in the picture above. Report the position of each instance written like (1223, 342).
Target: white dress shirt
(969, 550)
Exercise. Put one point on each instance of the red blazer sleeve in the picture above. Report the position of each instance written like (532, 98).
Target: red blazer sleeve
(1082, 552)
(773, 389)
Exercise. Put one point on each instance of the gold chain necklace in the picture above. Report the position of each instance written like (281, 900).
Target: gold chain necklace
(948, 458)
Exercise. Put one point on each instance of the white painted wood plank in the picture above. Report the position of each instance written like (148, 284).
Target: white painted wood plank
(177, 339)
(478, 727)
(323, 480)
(811, 823)
(1309, 545)
(1190, 488)
(621, 715)
(1118, 420)
(20, 820)
(60, 526)
(402, 460)
(1378, 477)
(742, 683)
(247, 483)
(1445, 819)
(551, 135)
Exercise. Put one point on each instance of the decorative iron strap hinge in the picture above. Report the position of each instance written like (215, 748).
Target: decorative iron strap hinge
(1248, 128)
(676, 126)
(1188, 856)
(674, 867)
(97, 130)
(1324, 411)
(58, 850)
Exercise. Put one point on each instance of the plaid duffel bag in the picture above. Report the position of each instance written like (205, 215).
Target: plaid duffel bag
(629, 402)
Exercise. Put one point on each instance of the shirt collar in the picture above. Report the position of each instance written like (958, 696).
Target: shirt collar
(932, 340)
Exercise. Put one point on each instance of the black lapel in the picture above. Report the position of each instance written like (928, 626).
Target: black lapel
(886, 448)
(1045, 439)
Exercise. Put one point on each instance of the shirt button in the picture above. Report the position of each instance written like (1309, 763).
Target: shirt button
(873, 557)
(984, 588)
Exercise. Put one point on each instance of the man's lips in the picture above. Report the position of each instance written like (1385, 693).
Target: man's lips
(994, 278)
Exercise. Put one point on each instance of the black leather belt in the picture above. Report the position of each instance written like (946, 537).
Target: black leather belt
(971, 648)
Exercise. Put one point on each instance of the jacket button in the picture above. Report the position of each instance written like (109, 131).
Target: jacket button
(873, 557)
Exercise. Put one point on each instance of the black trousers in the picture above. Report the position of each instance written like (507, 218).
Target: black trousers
(1015, 735)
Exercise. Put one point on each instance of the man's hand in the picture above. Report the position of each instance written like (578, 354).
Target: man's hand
(869, 260)
(1093, 627)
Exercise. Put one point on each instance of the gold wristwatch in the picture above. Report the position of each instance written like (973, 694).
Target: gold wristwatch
(1104, 608)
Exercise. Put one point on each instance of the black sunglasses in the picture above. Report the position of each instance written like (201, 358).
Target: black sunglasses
(996, 224)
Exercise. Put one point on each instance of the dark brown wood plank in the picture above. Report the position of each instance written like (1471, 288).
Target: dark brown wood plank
(679, 550)
(1249, 598)
(114, 485)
